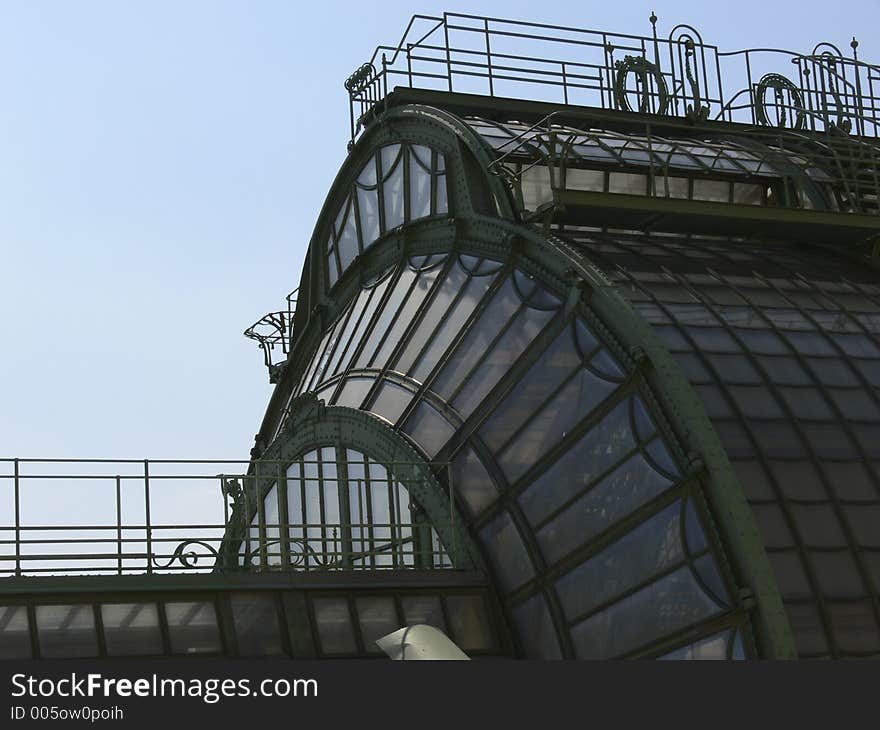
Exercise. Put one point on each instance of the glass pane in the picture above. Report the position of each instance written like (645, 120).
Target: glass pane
(660, 609)
(429, 429)
(131, 629)
(390, 401)
(470, 622)
(649, 549)
(256, 624)
(383, 321)
(423, 610)
(193, 628)
(67, 631)
(419, 184)
(15, 639)
(334, 626)
(347, 244)
(354, 391)
(506, 549)
(368, 207)
(392, 170)
(536, 630)
(378, 618)
(712, 647)
(472, 482)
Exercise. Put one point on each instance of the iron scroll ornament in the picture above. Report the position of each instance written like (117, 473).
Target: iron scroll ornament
(780, 84)
(641, 67)
(360, 78)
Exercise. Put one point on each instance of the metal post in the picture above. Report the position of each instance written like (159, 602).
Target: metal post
(488, 57)
(448, 56)
(118, 525)
(147, 521)
(17, 519)
(454, 556)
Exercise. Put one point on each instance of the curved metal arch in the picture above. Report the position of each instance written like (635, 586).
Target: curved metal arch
(310, 424)
(588, 290)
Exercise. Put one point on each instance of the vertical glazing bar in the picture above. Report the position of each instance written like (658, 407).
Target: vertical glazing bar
(118, 525)
(448, 56)
(409, 64)
(261, 517)
(17, 487)
(488, 57)
(283, 517)
(454, 551)
(147, 518)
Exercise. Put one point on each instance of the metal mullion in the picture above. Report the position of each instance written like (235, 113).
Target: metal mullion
(368, 519)
(323, 348)
(405, 161)
(473, 318)
(758, 453)
(303, 508)
(343, 493)
(98, 620)
(33, 631)
(261, 517)
(283, 518)
(319, 458)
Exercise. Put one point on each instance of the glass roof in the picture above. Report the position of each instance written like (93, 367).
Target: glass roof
(782, 344)
(599, 541)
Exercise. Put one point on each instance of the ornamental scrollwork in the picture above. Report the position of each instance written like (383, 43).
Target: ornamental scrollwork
(780, 86)
(642, 68)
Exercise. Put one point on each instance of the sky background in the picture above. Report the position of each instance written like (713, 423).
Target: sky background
(162, 165)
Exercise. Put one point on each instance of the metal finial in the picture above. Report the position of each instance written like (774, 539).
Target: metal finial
(653, 18)
(854, 43)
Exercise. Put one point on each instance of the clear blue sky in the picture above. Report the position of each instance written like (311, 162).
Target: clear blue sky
(162, 165)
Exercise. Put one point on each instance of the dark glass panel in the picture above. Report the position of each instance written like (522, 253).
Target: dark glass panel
(391, 158)
(406, 315)
(808, 404)
(754, 480)
(832, 371)
(851, 480)
(441, 301)
(799, 480)
(429, 429)
(712, 647)
(571, 404)
(806, 625)
(707, 572)
(506, 549)
(783, 370)
(864, 520)
(662, 608)
(693, 368)
(131, 629)
(855, 627)
(714, 400)
(649, 549)
(810, 343)
(735, 439)
(377, 617)
(391, 400)
(829, 441)
(475, 344)
(472, 482)
(335, 631)
(256, 624)
(755, 401)
(855, 404)
(695, 537)
(354, 391)
(773, 526)
(385, 317)
(469, 622)
(523, 329)
(424, 610)
(193, 627)
(777, 439)
(557, 363)
(595, 452)
(347, 242)
(818, 525)
(788, 567)
(762, 342)
(15, 639)
(734, 368)
(67, 631)
(535, 629)
(837, 574)
(712, 339)
(345, 343)
(620, 493)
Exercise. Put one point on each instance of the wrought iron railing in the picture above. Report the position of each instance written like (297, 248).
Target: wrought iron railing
(678, 75)
(272, 332)
(132, 517)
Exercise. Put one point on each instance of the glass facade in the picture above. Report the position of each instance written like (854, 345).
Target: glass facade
(782, 345)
